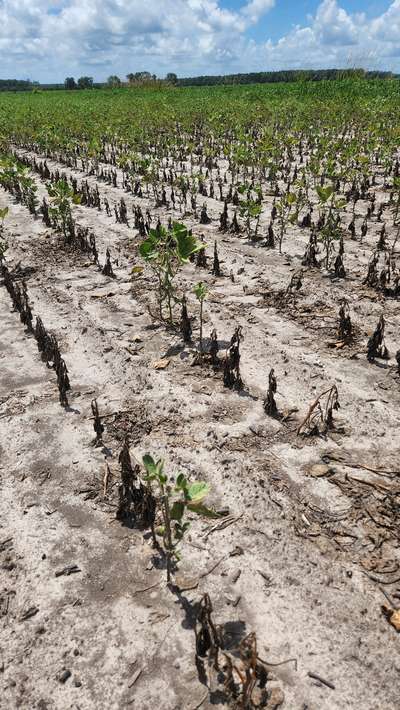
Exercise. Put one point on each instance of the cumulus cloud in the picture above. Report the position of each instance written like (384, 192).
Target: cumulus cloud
(49, 39)
(335, 38)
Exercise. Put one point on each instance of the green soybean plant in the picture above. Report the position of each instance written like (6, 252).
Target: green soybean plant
(175, 501)
(285, 215)
(330, 204)
(250, 209)
(166, 250)
(62, 197)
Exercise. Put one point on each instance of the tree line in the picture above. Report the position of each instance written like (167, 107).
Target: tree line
(145, 78)
(271, 77)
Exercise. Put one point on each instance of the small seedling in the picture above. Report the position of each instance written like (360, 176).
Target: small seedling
(174, 502)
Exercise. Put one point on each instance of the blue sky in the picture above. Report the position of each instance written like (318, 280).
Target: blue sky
(47, 40)
(288, 13)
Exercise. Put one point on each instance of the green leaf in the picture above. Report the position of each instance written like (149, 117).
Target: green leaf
(137, 270)
(181, 483)
(3, 212)
(177, 510)
(290, 198)
(200, 291)
(186, 244)
(197, 491)
(150, 465)
(148, 249)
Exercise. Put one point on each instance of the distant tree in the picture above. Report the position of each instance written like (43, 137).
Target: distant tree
(140, 76)
(85, 82)
(113, 81)
(171, 78)
(69, 83)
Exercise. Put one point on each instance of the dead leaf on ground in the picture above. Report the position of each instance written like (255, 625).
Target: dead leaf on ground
(276, 699)
(161, 364)
(393, 616)
(186, 583)
(319, 470)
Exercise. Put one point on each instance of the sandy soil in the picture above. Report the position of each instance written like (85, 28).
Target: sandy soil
(309, 549)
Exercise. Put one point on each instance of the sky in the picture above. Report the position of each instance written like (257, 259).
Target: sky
(47, 40)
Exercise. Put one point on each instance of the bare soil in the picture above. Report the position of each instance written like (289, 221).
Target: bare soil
(312, 549)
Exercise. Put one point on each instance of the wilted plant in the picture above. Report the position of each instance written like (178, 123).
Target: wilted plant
(295, 282)
(345, 329)
(216, 269)
(376, 344)
(270, 407)
(97, 424)
(136, 501)
(310, 255)
(240, 671)
(214, 348)
(107, 269)
(174, 503)
(186, 327)
(200, 291)
(209, 640)
(3, 242)
(232, 378)
(319, 417)
(204, 218)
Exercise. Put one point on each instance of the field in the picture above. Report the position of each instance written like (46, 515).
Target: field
(208, 278)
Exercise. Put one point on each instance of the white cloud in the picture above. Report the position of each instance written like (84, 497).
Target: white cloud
(256, 9)
(335, 38)
(49, 39)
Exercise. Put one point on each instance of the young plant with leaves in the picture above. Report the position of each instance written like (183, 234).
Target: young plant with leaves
(175, 501)
(285, 215)
(250, 209)
(329, 205)
(166, 250)
(62, 197)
